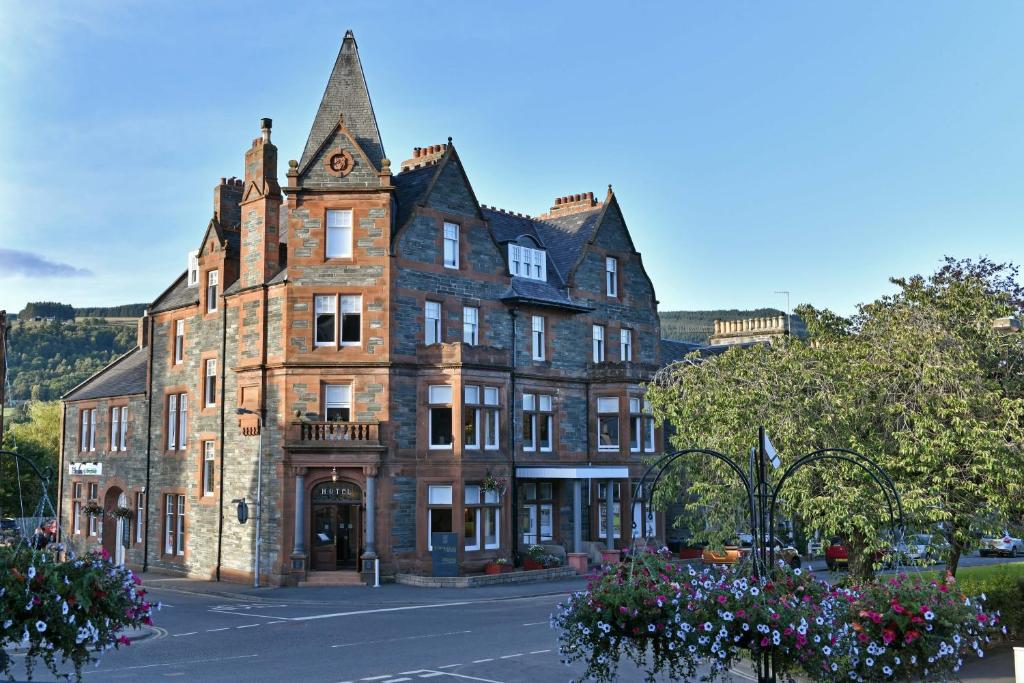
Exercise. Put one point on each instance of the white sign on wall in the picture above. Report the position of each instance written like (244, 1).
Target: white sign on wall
(81, 468)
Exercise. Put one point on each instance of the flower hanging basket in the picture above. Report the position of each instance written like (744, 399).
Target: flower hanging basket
(122, 513)
(93, 508)
(491, 483)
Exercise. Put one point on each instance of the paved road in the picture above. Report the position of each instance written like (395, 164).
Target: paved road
(393, 634)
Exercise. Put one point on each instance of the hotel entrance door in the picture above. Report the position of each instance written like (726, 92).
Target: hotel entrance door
(336, 527)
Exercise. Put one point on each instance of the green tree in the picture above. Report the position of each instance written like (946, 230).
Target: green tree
(37, 438)
(919, 381)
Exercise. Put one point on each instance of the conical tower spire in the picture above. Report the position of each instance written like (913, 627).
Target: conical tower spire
(346, 97)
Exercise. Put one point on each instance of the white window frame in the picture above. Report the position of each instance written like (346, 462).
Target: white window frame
(338, 233)
(92, 429)
(611, 271)
(432, 324)
(169, 526)
(179, 342)
(608, 406)
(537, 325)
(441, 501)
(84, 440)
(326, 305)
(140, 513)
(527, 262)
(625, 344)
(436, 398)
(650, 445)
(209, 467)
(337, 396)
(182, 421)
(470, 325)
(193, 268)
(471, 406)
(172, 421)
(597, 334)
(492, 419)
(530, 420)
(115, 427)
(210, 382)
(636, 420)
(350, 305)
(180, 527)
(451, 245)
(212, 282)
(124, 428)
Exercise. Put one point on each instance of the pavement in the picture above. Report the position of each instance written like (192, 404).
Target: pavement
(392, 634)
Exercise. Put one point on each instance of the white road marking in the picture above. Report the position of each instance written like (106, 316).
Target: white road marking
(190, 633)
(471, 678)
(536, 623)
(271, 623)
(432, 674)
(213, 630)
(247, 626)
(247, 615)
(375, 678)
(742, 675)
(397, 680)
(518, 654)
(449, 666)
(150, 666)
(392, 640)
(416, 671)
(539, 652)
(481, 661)
(375, 611)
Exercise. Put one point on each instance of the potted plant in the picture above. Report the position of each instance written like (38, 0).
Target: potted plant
(498, 566)
(122, 513)
(491, 483)
(93, 508)
(534, 557)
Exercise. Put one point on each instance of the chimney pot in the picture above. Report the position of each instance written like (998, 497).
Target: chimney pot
(265, 125)
(558, 200)
(223, 180)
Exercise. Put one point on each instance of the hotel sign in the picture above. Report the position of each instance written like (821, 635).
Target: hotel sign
(337, 492)
(85, 468)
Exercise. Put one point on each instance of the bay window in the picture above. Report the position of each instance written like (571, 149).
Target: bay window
(482, 518)
(440, 424)
(608, 424)
(491, 418)
(471, 418)
(439, 512)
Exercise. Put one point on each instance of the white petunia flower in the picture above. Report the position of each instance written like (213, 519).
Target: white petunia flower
(40, 625)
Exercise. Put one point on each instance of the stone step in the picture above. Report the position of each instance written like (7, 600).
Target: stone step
(341, 578)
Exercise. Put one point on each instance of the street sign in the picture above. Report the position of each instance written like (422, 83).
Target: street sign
(444, 550)
(85, 468)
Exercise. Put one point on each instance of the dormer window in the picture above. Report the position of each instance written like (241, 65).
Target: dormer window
(193, 268)
(527, 262)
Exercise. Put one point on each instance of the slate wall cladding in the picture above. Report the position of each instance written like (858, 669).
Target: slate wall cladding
(122, 470)
(363, 175)
(403, 515)
(451, 194)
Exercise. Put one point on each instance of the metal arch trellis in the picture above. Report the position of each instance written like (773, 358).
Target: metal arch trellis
(45, 477)
(762, 501)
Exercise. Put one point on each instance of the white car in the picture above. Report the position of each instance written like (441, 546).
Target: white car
(1005, 545)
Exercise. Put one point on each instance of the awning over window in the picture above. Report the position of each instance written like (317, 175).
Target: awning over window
(572, 473)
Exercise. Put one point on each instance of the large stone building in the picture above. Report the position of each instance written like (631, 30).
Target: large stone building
(401, 359)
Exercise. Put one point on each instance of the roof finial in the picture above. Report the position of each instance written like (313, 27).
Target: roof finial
(449, 139)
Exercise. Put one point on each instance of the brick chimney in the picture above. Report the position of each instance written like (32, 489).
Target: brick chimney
(142, 332)
(424, 156)
(570, 204)
(260, 211)
(226, 199)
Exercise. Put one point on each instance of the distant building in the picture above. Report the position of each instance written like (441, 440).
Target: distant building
(413, 362)
(736, 332)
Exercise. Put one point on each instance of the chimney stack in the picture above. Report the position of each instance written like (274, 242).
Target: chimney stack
(260, 211)
(424, 156)
(570, 204)
(226, 198)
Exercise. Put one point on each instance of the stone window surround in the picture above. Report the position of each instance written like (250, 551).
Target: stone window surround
(611, 279)
(123, 427)
(203, 407)
(176, 391)
(175, 324)
(481, 508)
(352, 233)
(455, 239)
(457, 506)
(203, 498)
(173, 556)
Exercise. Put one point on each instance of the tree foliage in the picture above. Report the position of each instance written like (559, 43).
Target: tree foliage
(46, 309)
(45, 360)
(919, 381)
(37, 438)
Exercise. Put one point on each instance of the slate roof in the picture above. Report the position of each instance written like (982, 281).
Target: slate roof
(673, 350)
(411, 189)
(123, 377)
(176, 296)
(566, 236)
(346, 94)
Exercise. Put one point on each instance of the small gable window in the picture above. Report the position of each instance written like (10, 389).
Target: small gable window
(193, 268)
(527, 262)
(611, 271)
(451, 245)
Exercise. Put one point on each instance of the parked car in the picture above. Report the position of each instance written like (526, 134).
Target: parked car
(1005, 545)
(836, 555)
(740, 549)
(924, 548)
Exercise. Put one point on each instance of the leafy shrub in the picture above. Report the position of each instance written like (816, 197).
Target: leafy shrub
(73, 610)
(669, 618)
(1003, 584)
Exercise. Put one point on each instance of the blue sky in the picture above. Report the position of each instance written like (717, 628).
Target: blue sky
(815, 147)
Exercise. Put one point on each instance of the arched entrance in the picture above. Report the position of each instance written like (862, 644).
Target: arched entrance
(115, 529)
(336, 527)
